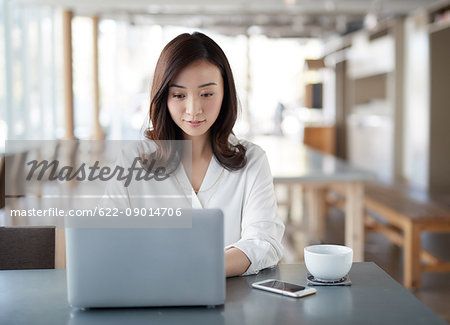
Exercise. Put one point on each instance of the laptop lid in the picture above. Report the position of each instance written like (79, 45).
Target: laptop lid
(131, 261)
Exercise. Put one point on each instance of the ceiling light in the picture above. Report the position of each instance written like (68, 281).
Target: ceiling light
(330, 5)
(289, 2)
(370, 21)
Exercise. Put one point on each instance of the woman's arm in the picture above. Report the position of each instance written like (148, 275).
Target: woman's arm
(261, 227)
(236, 262)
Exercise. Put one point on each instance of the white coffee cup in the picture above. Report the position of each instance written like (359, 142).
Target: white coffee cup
(328, 262)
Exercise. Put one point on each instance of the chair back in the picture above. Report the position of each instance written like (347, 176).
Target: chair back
(27, 248)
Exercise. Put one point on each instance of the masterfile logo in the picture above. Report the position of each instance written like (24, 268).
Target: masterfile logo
(144, 169)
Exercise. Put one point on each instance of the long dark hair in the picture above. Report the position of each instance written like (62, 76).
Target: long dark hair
(176, 55)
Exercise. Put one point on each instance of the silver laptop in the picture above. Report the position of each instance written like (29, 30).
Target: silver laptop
(140, 261)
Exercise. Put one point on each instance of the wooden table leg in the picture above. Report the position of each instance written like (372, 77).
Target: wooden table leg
(289, 202)
(411, 258)
(316, 210)
(354, 221)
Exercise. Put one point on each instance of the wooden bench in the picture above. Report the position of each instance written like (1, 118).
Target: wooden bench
(402, 219)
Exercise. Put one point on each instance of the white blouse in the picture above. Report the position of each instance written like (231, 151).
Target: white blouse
(246, 198)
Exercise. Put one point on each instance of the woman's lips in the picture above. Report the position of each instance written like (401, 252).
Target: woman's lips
(195, 124)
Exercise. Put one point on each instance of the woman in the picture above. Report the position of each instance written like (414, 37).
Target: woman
(193, 97)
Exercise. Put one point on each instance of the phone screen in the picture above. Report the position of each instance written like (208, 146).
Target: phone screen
(283, 286)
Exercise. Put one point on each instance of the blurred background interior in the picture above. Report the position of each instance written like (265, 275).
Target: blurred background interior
(367, 81)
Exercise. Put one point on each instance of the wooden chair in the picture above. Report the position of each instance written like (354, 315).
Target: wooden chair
(27, 248)
(2, 182)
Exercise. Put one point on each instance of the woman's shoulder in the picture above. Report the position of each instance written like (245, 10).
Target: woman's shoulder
(253, 151)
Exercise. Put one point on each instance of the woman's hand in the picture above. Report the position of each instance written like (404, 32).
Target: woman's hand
(236, 262)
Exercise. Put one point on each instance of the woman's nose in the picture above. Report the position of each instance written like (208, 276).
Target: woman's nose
(193, 107)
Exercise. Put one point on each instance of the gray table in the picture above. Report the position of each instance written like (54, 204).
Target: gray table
(39, 297)
(292, 162)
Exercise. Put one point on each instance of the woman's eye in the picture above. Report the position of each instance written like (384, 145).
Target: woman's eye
(207, 95)
(177, 96)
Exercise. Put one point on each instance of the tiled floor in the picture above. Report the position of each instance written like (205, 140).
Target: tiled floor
(435, 290)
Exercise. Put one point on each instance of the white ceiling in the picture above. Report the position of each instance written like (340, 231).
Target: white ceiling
(275, 18)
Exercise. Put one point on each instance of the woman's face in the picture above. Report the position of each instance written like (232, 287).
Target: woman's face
(195, 98)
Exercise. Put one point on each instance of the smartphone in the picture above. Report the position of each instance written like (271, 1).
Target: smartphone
(284, 288)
